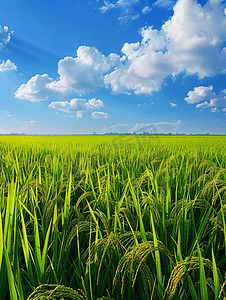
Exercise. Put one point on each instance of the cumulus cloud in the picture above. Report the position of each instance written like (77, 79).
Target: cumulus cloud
(85, 72)
(94, 103)
(77, 105)
(81, 74)
(190, 42)
(213, 109)
(99, 114)
(144, 69)
(5, 37)
(206, 94)
(7, 66)
(218, 101)
(199, 94)
(81, 107)
(197, 33)
(36, 89)
(173, 104)
(203, 104)
(80, 114)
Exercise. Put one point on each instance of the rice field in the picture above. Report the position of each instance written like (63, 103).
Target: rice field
(113, 217)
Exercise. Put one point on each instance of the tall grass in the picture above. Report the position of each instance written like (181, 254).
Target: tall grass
(113, 217)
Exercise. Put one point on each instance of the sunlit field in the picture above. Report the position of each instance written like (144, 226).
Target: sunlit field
(113, 217)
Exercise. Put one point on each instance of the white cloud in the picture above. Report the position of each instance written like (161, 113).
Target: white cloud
(135, 16)
(154, 127)
(213, 109)
(36, 89)
(81, 74)
(145, 66)
(94, 103)
(199, 94)
(7, 66)
(189, 42)
(119, 128)
(107, 6)
(202, 93)
(167, 4)
(218, 101)
(128, 18)
(146, 10)
(126, 6)
(203, 104)
(173, 104)
(85, 72)
(81, 107)
(5, 36)
(197, 33)
(28, 123)
(80, 114)
(77, 105)
(99, 114)
(142, 127)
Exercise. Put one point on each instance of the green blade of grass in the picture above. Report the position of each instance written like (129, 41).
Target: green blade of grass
(11, 279)
(158, 261)
(203, 285)
(215, 277)
(1, 240)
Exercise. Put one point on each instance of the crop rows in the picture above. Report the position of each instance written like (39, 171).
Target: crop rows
(113, 217)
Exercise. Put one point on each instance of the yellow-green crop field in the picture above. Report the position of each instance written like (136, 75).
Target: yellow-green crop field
(113, 217)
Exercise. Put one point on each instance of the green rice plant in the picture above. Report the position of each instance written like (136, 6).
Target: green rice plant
(216, 277)
(53, 292)
(11, 279)
(187, 268)
(9, 240)
(109, 214)
(134, 267)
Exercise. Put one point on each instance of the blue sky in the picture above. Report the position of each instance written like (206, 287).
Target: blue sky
(69, 67)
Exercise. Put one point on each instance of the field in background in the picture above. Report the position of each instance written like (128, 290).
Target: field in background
(125, 217)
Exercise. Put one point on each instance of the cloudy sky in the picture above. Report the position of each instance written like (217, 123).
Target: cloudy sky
(84, 66)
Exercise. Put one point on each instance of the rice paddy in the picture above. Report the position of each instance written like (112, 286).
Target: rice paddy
(113, 217)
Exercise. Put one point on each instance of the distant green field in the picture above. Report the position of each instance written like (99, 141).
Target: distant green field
(113, 217)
